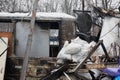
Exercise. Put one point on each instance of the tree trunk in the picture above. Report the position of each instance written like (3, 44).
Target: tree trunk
(83, 5)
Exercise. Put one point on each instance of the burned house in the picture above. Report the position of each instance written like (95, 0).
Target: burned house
(50, 32)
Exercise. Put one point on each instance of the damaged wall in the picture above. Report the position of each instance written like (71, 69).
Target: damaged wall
(17, 32)
(6, 30)
(40, 43)
(67, 31)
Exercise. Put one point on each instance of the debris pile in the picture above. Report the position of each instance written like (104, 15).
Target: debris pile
(107, 56)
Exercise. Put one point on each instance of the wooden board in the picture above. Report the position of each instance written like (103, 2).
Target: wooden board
(3, 52)
(9, 35)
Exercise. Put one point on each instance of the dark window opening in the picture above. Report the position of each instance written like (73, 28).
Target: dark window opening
(54, 39)
(44, 25)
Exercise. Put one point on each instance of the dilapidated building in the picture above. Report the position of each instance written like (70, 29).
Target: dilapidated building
(50, 32)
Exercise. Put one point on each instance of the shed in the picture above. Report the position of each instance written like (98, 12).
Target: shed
(50, 32)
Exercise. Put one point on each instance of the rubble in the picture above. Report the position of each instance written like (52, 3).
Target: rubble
(78, 59)
(79, 50)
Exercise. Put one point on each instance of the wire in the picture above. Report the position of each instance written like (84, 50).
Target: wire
(109, 31)
(6, 46)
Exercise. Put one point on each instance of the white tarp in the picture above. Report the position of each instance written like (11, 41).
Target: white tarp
(76, 51)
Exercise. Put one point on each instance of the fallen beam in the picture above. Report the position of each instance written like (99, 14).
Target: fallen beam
(56, 73)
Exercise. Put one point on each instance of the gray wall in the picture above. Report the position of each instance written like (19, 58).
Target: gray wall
(40, 44)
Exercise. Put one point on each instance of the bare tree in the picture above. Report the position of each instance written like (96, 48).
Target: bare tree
(48, 6)
(96, 2)
(8, 5)
(110, 4)
(29, 5)
(66, 6)
(69, 5)
(104, 4)
(54, 6)
(113, 4)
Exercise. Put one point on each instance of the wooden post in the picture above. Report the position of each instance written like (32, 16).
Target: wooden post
(29, 42)
(14, 34)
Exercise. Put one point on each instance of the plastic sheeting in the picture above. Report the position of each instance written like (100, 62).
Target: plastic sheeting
(109, 34)
(75, 50)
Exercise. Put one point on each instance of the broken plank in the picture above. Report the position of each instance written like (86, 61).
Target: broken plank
(56, 73)
(3, 52)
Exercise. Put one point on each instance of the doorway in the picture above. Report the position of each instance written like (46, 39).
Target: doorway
(54, 39)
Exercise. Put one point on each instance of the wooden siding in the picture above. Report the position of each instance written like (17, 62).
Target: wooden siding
(6, 27)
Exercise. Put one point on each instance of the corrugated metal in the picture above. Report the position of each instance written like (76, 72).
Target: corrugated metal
(6, 27)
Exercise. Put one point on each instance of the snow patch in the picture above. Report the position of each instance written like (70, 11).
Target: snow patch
(39, 15)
